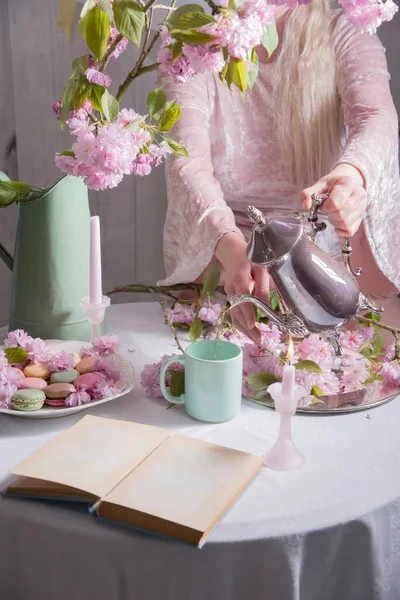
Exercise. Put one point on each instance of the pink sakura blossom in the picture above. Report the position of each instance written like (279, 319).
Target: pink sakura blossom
(315, 349)
(13, 376)
(390, 372)
(159, 152)
(85, 352)
(210, 312)
(180, 70)
(107, 344)
(352, 340)
(390, 353)
(107, 368)
(78, 398)
(10, 380)
(61, 361)
(38, 351)
(97, 77)
(206, 58)
(327, 382)
(127, 116)
(121, 47)
(142, 165)
(150, 376)
(262, 10)
(355, 373)
(3, 360)
(104, 389)
(56, 108)
(368, 15)
(182, 313)
(17, 339)
(367, 333)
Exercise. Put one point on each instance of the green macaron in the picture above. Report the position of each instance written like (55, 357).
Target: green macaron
(28, 399)
(64, 376)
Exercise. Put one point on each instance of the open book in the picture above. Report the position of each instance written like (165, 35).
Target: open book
(139, 475)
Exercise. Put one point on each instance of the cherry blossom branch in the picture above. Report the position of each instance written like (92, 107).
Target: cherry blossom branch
(393, 330)
(158, 289)
(168, 321)
(110, 50)
(144, 53)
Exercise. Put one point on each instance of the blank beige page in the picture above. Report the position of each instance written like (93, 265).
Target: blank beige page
(187, 481)
(93, 455)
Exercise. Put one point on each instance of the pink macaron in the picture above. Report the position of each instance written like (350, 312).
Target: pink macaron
(33, 383)
(87, 381)
(55, 401)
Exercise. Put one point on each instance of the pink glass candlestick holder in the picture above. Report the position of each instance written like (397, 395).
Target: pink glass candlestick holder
(95, 314)
(284, 456)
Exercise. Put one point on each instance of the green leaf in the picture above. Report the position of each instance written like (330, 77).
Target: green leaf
(156, 101)
(176, 49)
(16, 355)
(129, 19)
(67, 99)
(67, 153)
(168, 118)
(211, 279)
(373, 316)
(177, 148)
(270, 39)
(192, 20)
(367, 352)
(11, 191)
(316, 391)
(95, 30)
(193, 37)
(177, 383)
(196, 329)
(95, 93)
(80, 64)
(105, 6)
(232, 5)
(274, 300)
(308, 365)
(260, 381)
(316, 400)
(177, 14)
(263, 396)
(252, 75)
(136, 124)
(110, 106)
(238, 71)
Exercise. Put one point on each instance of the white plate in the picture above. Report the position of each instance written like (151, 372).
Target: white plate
(125, 385)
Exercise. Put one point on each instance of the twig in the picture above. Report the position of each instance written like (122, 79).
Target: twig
(167, 320)
(150, 289)
(148, 5)
(213, 6)
(110, 50)
(393, 330)
(144, 53)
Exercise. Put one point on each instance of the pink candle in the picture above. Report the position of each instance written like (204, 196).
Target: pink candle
(96, 293)
(289, 374)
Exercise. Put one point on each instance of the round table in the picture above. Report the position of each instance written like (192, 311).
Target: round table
(330, 531)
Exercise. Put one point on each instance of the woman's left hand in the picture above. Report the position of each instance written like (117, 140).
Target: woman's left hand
(347, 200)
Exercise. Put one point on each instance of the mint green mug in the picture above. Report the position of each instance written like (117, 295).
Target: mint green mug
(213, 380)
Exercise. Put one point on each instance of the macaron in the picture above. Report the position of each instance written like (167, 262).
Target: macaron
(37, 370)
(64, 376)
(59, 390)
(33, 383)
(87, 381)
(55, 401)
(85, 365)
(28, 400)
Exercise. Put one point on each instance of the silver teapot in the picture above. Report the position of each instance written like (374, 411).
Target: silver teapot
(318, 294)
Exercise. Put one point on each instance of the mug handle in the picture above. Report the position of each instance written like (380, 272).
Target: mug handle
(167, 395)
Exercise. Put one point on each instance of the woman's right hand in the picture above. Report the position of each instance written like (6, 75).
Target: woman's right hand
(240, 277)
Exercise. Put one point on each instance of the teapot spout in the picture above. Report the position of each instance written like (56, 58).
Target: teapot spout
(287, 323)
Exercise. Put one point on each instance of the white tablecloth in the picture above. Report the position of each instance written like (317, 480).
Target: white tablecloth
(330, 531)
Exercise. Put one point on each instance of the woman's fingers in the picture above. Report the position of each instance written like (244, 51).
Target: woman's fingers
(261, 282)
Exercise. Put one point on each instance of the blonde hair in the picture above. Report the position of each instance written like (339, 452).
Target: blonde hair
(310, 123)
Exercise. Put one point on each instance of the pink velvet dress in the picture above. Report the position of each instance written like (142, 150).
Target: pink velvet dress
(236, 160)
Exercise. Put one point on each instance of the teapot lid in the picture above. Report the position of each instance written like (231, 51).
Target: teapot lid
(273, 237)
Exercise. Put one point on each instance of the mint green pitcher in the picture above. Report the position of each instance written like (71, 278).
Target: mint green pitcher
(51, 263)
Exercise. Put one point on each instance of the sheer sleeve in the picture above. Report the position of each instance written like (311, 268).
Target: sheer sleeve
(372, 141)
(197, 214)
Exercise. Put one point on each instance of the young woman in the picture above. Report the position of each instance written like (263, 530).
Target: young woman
(319, 119)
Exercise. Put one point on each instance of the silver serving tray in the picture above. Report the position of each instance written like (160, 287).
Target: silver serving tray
(369, 397)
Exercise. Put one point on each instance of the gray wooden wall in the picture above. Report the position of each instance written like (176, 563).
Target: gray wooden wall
(35, 60)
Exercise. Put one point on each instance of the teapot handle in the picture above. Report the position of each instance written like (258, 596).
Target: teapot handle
(317, 202)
